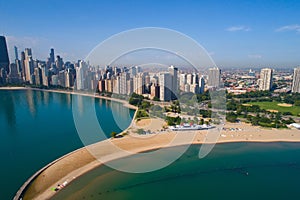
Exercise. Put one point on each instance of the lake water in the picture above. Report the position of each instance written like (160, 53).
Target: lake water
(37, 127)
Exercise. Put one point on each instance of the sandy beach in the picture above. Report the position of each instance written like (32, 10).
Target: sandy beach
(13, 88)
(82, 161)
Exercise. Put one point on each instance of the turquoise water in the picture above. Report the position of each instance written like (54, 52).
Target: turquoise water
(37, 127)
(230, 171)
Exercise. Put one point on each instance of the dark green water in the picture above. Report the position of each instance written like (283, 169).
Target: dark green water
(37, 127)
(273, 173)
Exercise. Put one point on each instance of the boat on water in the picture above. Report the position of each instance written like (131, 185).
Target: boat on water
(190, 127)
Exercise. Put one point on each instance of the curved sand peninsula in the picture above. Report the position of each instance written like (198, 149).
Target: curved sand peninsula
(81, 161)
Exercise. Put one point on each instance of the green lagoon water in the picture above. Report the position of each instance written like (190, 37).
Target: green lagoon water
(37, 127)
(230, 171)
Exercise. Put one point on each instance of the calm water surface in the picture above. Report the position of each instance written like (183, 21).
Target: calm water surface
(37, 127)
(230, 171)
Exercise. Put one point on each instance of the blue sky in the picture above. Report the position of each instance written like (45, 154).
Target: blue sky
(237, 33)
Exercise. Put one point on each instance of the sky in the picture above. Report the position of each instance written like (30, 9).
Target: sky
(235, 33)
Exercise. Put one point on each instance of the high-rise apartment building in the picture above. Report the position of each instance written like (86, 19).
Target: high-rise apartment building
(201, 85)
(265, 82)
(80, 75)
(165, 86)
(214, 77)
(174, 89)
(124, 77)
(296, 81)
(139, 83)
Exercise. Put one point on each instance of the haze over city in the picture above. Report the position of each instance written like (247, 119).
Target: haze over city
(235, 33)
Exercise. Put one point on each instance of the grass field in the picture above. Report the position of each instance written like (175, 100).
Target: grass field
(295, 110)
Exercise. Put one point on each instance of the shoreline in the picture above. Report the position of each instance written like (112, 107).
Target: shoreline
(72, 92)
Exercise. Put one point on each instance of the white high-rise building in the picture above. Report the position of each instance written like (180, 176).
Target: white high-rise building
(139, 83)
(124, 77)
(116, 85)
(182, 81)
(189, 79)
(214, 77)
(80, 75)
(296, 81)
(265, 82)
(165, 86)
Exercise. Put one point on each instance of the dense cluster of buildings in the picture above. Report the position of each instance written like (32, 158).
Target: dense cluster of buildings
(123, 81)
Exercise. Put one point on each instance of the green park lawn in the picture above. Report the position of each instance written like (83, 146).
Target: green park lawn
(295, 110)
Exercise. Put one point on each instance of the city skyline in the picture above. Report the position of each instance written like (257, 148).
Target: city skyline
(235, 34)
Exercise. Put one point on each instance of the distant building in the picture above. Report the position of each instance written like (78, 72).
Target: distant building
(214, 77)
(201, 85)
(139, 83)
(80, 76)
(22, 61)
(52, 57)
(14, 76)
(129, 86)
(101, 86)
(174, 88)
(154, 91)
(116, 85)
(45, 76)
(16, 53)
(29, 65)
(38, 76)
(265, 82)
(124, 77)
(189, 79)
(4, 59)
(296, 81)
(165, 86)
(54, 80)
(182, 81)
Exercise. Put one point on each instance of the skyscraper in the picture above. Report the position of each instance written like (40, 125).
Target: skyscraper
(182, 81)
(139, 83)
(23, 72)
(174, 89)
(16, 53)
(214, 77)
(29, 65)
(4, 60)
(52, 57)
(124, 77)
(296, 81)
(201, 85)
(80, 76)
(265, 82)
(165, 86)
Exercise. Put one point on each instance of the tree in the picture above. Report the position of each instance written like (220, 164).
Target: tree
(113, 134)
(140, 131)
(231, 117)
(201, 121)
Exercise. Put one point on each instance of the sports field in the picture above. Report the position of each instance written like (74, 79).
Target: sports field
(295, 110)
